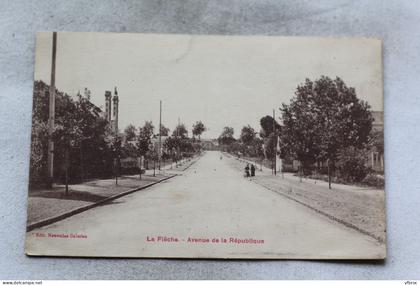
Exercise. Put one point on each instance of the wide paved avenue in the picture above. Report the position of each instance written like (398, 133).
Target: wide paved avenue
(211, 200)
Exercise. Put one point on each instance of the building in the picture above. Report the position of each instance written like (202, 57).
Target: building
(376, 155)
(209, 144)
(108, 105)
(95, 110)
(111, 109)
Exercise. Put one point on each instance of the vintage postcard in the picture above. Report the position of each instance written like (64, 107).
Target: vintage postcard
(194, 146)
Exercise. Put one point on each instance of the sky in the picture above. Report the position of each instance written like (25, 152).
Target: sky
(220, 80)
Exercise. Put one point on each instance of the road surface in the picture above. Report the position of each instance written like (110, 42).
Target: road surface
(210, 211)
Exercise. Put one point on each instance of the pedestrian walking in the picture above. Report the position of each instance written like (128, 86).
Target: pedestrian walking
(252, 170)
(247, 170)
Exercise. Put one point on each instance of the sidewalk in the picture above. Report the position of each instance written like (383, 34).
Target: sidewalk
(357, 207)
(50, 204)
(292, 176)
(173, 168)
(45, 204)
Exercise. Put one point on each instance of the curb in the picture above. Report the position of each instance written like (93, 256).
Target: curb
(88, 207)
(341, 221)
(195, 160)
(347, 224)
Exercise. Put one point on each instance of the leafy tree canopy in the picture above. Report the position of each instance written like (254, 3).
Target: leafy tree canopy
(227, 136)
(164, 131)
(267, 124)
(180, 131)
(130, 132)
(144, 138)
(247, 135)
(198, 128)
(324, 116)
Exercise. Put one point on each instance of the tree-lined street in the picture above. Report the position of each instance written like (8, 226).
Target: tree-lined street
(322, 131)
(210, 200)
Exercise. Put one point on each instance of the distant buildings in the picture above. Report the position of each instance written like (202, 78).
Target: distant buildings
(376, 156)
(209, 144)
(111, 109)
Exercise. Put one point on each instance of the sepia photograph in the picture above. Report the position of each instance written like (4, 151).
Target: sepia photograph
(200, 146)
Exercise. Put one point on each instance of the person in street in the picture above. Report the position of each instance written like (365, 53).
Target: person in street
(252, 170)
(247, 170)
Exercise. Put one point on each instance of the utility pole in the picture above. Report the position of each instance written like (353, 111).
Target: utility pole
(177, 134)
(51, 113)
(275, 142)
(160, 134)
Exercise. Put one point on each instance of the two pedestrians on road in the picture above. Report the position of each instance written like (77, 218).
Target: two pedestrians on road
(248, 169)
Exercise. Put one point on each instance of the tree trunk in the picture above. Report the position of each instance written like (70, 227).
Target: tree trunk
(140, 161)
(116, 171)
(140, 172)
(329, 174)
(81, 164)
(300, 171)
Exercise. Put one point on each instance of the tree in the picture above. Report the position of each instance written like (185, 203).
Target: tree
(71, 128)
(80, 136)
(270, 146)
(352, 164)
(172, 144)
(114, 143)
(257, 147)
(39, 135)
(247, 135)
(164, 131)
(129, 149)
(377, 141)
(227, 136)
(300, 136)
(180, 131)
(198, 129)
(251, 145)
(324, 117)
(130, 132)
(144, 140)
(267, 124)
(39, 139)
(91, 157)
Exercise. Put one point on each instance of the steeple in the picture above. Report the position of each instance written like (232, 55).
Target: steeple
(108, 96)
(115, 100)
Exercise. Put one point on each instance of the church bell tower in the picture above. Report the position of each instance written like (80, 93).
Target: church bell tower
(115, 111)
(108, 96)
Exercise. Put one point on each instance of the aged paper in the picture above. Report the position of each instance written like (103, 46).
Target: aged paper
(191, 146)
